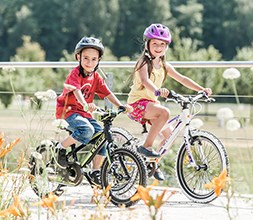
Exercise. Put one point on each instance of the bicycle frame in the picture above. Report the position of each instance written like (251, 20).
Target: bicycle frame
(183, 122)
(98, 141)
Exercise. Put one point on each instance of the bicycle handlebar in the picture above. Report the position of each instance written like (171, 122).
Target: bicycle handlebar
(178, 98)
(109, 114)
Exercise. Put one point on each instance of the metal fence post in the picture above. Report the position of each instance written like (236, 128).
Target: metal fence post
(109, 83)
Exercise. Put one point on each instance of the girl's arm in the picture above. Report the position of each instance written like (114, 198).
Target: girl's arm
(186, 81)
(146, 82)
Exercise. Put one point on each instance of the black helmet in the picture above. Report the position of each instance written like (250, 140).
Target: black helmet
(89, 42)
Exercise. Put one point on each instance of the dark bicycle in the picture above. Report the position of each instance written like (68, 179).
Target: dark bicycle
(123, 168)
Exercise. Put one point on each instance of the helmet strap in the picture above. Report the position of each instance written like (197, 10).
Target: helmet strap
(147, 51)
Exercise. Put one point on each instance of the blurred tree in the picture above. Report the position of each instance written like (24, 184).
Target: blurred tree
(15, 20)
(221, 26)
(135, 16)
(26, 81)
(32, 79)
(245, 82)
(52, 19)
(95, 18)
(189, 19)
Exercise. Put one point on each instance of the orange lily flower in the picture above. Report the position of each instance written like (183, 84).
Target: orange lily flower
(159, 199)
(3, 171)
(1, 139)
(48, 202)
(154, 204)
(143, 193)
(8, 147)
(15, 209)
(107, 191)
(218, 183)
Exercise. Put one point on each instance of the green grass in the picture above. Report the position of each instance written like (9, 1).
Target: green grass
(241, 169)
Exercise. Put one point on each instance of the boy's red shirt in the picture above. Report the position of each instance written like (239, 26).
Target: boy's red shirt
(67, 104)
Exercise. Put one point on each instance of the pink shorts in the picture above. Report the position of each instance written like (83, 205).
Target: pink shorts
(139, 110)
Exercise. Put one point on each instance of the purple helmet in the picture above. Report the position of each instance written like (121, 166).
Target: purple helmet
(157, 31)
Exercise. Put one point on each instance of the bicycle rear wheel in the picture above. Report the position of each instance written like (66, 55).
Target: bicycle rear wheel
(126, 172)
(121, 137)
(211, 156)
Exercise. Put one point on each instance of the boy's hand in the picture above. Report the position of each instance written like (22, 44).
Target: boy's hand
(89, 107)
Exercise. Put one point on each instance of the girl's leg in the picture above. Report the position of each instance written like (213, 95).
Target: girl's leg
(165, 134)
(158, 116)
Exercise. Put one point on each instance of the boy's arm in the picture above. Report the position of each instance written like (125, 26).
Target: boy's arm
(114, 100)
(79, 96)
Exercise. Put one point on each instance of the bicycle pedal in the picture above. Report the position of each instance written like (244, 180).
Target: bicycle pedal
(150, 159)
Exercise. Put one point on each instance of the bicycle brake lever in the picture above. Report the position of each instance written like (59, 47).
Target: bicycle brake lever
(210, 100)
(173, 100)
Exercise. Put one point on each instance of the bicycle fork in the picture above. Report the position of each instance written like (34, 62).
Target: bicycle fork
(187, 138)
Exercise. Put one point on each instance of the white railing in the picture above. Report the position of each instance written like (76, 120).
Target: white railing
(130, 64)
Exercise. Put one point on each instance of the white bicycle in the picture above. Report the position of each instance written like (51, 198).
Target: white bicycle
(200, 157)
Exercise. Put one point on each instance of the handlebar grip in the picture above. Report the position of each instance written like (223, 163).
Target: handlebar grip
(121, 109)
(157, 93)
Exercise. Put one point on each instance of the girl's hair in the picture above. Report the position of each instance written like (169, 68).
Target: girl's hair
(146, 58)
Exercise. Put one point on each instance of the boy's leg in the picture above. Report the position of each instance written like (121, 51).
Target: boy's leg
(82, 131)
(97, 161)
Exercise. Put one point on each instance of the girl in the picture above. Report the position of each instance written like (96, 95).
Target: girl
(149, 73)
(75, 104)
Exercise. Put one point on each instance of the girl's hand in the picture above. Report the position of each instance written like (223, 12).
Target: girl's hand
(126, 108)
(208, 91)
(129, 108)
(164, 92)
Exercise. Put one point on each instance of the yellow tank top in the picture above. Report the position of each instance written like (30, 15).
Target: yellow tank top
(140, 92)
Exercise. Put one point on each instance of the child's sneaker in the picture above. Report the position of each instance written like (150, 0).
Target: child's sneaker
(147, 153)
(94, 178)
(61, 158)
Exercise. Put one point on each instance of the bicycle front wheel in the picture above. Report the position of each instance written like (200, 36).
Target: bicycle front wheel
(125, 173)
(210, 155)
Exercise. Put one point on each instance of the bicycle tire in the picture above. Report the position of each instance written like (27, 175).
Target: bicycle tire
(121, 137)
(192, 181)
(122, 189)
(39, 175)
